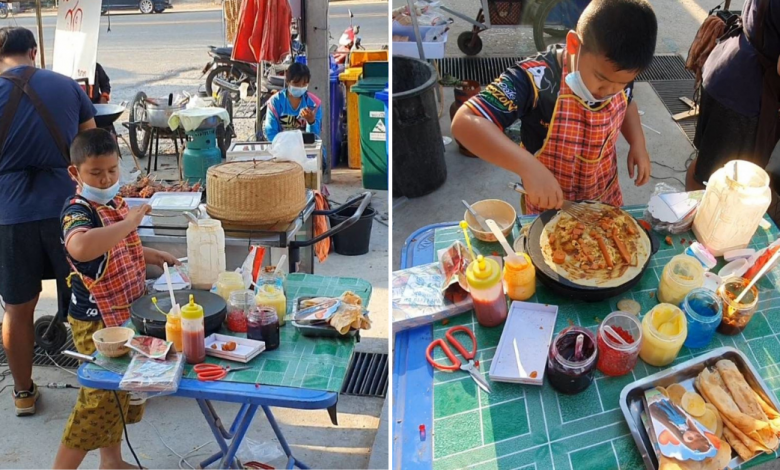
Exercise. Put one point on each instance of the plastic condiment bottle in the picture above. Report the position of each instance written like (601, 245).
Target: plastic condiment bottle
(681, 275)
(270, 293)
(173, 330)
(519, 279)
(193, 332)
(487, 291)
(664, 330)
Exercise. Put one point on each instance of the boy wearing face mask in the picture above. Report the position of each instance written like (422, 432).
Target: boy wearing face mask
(573, 100)
(108, 272)
(293, 108)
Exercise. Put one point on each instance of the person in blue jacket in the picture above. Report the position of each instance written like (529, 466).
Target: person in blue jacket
(295, 107)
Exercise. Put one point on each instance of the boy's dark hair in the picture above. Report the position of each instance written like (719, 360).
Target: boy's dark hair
(622, 30)
(92, 143)
(297, 72)
(16, 41)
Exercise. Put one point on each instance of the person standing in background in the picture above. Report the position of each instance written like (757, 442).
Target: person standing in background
(40, 114)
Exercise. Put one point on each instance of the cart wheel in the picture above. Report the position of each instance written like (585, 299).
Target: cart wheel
(225, 134)
(554, 19)
(57, 337)
(139, 133)
(465, 43)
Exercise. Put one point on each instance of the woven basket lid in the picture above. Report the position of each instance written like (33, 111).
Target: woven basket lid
(256, 192)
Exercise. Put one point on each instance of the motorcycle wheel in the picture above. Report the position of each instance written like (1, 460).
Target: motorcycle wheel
(3, 13)
(139, 133)
(225, 72)
(57, 337)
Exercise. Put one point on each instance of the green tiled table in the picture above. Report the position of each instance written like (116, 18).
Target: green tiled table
(300, 361)
(521, 426)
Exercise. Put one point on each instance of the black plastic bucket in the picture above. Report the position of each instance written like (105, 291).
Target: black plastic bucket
(418, 150)
(353, 240)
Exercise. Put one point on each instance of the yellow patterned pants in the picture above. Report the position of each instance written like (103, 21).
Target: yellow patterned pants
(95, 421)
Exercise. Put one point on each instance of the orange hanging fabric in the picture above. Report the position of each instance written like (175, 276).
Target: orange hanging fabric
(263, 31)
(321, 248)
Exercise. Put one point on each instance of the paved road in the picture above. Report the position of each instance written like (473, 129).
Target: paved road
(160, 54)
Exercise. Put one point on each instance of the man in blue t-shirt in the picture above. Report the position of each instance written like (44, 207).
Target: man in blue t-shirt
(40, 114)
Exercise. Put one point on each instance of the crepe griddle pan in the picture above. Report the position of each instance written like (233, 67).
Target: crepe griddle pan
(149, 321)
(563, 286)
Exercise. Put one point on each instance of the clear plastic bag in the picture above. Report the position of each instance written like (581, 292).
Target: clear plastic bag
(288, 146)
(665, 227)
(253, 452)
(153, 377)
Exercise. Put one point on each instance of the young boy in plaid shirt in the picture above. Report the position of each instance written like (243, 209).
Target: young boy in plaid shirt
(573, 100)
(108, 272)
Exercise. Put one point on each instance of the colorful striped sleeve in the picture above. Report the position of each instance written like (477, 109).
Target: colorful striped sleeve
(505, 100)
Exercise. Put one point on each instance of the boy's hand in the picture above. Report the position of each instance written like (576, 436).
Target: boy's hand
(542, 187)
(157, 258)
(639, 165)
(136, 215)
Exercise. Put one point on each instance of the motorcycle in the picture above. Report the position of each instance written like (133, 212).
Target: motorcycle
(348, 42)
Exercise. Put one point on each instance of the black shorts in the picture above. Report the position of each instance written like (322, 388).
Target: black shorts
(723, 135)
(29, 253)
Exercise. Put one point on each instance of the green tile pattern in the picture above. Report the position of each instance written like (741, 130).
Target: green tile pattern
(522, 426)
(301, 361)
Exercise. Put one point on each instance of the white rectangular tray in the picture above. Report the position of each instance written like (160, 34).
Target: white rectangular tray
(531, 326)
(246, 349)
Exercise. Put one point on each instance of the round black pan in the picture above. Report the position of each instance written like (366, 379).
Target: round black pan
(563, 286)
(149, 321)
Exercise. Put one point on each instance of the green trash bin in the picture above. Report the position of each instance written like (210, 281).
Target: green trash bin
(373, 133)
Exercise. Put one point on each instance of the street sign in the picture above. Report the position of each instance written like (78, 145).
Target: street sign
(76, 38)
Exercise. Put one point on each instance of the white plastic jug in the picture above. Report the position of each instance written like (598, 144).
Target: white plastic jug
(736, 199)
(206, 252)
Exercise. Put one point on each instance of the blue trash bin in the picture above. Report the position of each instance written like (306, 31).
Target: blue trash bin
(384, 97)
(336, 112)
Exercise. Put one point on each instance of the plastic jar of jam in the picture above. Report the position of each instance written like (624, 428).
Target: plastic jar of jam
(681, 275)
(615, 358)
(487, 291)
(520, 279)
(736, 316)
(566, 372)
(703, 310)
(263, 325)
(664, 329)
(241, 303)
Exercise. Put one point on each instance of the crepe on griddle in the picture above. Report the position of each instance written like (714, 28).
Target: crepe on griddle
(606, 250)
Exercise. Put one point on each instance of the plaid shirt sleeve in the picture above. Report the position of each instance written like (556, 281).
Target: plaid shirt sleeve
(506, 100)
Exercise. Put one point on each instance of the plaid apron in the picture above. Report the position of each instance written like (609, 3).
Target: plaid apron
(122, 281)
(580, 148)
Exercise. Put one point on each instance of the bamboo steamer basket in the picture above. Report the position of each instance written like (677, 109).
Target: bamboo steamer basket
(256, 193)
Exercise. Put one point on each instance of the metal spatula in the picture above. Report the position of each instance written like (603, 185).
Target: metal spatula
(582, 212)
(100, 361)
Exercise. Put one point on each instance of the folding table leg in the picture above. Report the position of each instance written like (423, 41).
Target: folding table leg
(229, 459)
(292, 462)
(216, 428)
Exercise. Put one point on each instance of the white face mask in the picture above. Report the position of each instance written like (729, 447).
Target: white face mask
(577, 85)
(100, 196)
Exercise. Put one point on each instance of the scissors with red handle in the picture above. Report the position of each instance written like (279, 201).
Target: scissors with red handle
(457, 364)
(209, 372)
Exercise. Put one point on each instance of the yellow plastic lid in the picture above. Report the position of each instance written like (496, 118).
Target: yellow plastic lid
(192, 311)
(351, 74)
(483, 273)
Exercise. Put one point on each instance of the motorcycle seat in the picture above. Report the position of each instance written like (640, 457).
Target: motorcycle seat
(225, 51)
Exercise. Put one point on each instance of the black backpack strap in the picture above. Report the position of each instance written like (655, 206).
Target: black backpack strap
(21, 84)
